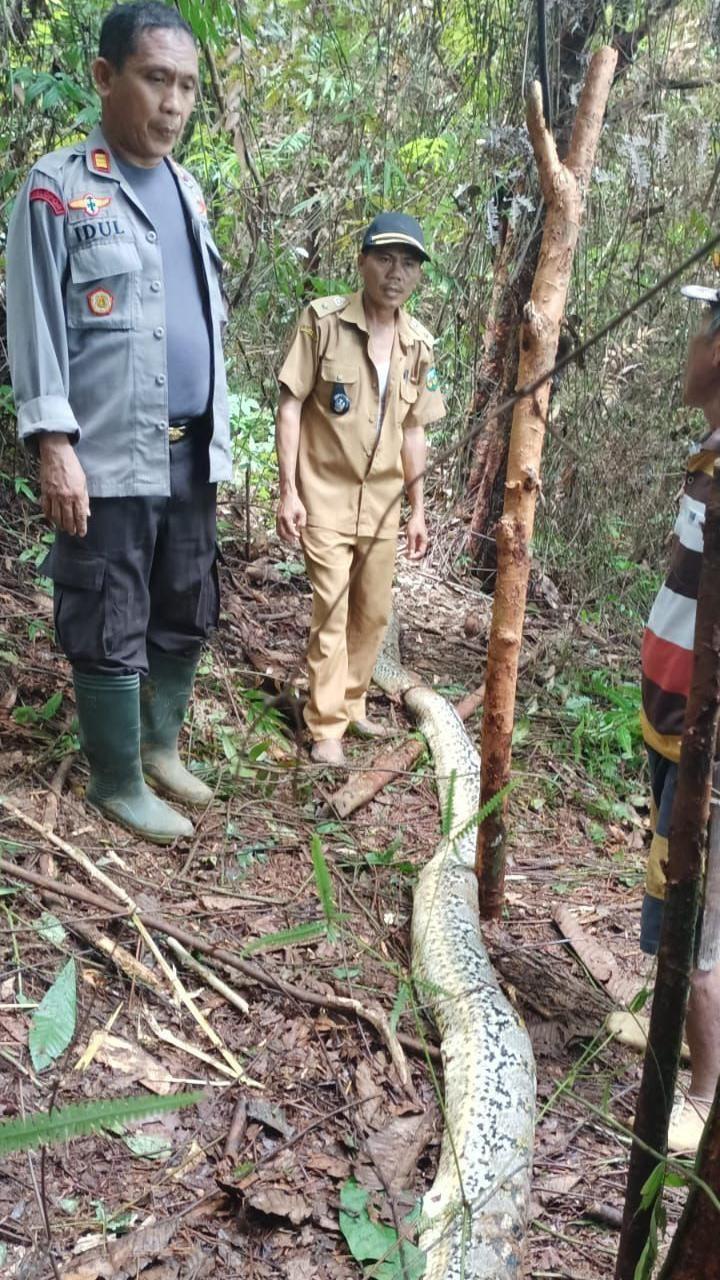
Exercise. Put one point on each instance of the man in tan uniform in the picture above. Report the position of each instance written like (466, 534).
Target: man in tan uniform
(358, 387)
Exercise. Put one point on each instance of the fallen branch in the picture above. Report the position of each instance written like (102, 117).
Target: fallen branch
(389, 765)
(599, 962)
(125, 961)
(343, 1004)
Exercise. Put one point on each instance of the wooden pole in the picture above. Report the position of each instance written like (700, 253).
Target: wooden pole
(686, 844)
(694, 1249)
(563, 187)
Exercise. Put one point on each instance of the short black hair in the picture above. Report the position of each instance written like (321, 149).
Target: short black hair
(125, 23)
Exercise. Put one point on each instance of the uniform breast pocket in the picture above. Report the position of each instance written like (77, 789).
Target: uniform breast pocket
(102, 292)
(407, 398)
(339, 387)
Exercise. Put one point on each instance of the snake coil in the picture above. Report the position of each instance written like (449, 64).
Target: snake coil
(475, 1214)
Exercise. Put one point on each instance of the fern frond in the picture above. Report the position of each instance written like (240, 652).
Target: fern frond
(41, 1128)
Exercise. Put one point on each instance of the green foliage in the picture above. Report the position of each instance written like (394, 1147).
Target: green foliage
(77, 1121)
(53, 1023)
(607, 725)
(374, 1242)
(323, 883)
(39, 715)
(652, 1195)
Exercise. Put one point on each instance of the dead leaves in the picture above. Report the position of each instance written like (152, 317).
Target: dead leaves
(280, 1202)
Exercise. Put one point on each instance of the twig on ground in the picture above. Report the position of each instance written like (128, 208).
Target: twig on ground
(207, 975)
(236, 1132)
(55, 786)
(126, 962)
(169, 1037)
(183, 995)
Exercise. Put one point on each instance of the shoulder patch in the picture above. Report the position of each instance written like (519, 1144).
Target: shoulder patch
(326, 306)
(50, 198)
(420, 331)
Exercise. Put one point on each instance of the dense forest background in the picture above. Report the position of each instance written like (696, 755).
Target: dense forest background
(314, 116)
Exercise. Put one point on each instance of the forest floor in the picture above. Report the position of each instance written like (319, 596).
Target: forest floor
(173, 1199)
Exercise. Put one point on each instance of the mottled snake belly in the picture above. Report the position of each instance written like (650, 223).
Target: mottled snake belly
(475, 1213)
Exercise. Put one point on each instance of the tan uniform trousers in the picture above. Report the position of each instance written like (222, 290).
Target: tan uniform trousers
(351, 578)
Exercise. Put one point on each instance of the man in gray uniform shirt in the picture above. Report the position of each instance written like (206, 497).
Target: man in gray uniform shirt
(116, 316)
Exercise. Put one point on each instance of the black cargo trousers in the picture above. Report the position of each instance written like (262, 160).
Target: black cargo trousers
(144, 574)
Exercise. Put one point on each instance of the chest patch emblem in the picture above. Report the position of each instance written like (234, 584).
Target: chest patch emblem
(90, 204)
(100, 302)
(100, 159)
(50, 198)
(431, 381)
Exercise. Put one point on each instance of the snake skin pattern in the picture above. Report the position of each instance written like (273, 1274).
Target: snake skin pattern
(475, 1214)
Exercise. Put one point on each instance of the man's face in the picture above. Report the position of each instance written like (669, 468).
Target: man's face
(389, 274)
(702, 371)
(146, 104)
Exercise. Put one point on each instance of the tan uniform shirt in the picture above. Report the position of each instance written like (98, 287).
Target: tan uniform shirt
(350, 476)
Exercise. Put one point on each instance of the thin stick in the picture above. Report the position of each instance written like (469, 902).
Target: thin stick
(185, 998)
(236, 1131)
(55, 786)
(207, 975)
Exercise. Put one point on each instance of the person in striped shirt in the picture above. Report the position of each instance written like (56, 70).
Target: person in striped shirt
(667, 660)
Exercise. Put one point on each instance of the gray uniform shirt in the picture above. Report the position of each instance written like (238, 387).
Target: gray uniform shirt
(189, 354)
(87, 322)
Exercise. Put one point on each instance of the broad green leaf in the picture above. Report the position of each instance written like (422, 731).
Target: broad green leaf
(152, 1146)
(367, 1241)
(53, 1022)
(50, 929)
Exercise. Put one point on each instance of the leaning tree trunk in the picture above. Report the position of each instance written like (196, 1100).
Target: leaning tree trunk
(495, 382)
(563, 187)
(497, 375)
(686, 844)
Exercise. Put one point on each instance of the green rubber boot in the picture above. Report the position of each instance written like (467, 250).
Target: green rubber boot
(109, 714)
(164, 697)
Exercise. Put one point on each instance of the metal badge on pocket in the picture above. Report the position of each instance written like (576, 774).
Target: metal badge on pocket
(339, 400)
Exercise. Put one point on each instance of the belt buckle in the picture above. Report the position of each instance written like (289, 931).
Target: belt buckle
(176, 433)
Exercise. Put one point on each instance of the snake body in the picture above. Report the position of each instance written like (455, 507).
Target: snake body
(474, 1215)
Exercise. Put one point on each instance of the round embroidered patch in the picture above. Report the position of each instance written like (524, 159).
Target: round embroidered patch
(100, 302)
(432, 379)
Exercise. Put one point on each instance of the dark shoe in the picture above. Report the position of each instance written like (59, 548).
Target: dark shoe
(329, 751)
(164, 698)
(108, 710)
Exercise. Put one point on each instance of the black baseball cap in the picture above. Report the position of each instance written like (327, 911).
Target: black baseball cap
(395, 228)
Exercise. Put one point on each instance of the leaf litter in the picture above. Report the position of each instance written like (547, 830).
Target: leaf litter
(334, 1156)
